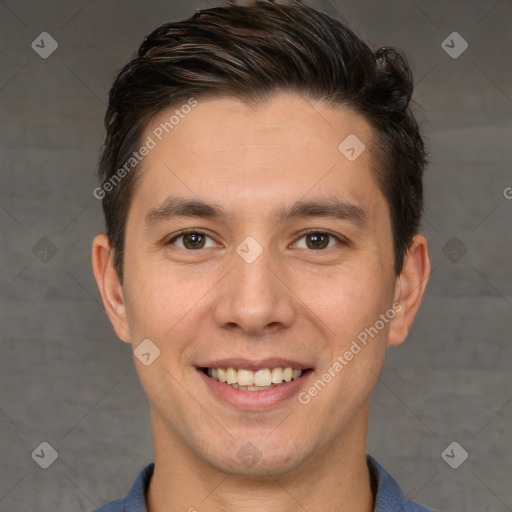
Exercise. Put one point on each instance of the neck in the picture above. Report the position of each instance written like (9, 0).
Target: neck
(336, 480)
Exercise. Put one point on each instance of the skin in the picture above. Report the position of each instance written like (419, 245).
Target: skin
(294, 301)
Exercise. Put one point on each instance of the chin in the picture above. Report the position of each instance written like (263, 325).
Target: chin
(258, 461)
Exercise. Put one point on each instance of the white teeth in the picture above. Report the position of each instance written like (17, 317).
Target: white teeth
(277, 375)
(259, 380)
(263, 377)
(231, 376)
(246, 378)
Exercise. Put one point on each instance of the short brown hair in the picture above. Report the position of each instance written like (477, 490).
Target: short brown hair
(249, 53)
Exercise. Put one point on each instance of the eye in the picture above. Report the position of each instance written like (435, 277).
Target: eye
(191, 240)
(318, 240)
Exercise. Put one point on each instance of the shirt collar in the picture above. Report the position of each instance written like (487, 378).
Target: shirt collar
(388, 495)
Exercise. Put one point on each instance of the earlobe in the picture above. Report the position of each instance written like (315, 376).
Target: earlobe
(409, 289)
(109, 285)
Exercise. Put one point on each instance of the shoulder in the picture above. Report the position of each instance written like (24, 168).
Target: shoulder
(412, 506)
(112, 506)
(388, 495)
(135, 500)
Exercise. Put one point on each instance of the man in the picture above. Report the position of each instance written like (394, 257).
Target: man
(261, 181)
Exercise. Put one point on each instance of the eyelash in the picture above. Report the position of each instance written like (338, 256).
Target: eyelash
(339, 239)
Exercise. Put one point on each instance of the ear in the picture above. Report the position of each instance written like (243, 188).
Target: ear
(110, 286)
(409, 289)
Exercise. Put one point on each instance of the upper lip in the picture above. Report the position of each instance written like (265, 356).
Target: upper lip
(254, 365)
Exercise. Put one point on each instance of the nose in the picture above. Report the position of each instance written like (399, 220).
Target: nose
(253, 298)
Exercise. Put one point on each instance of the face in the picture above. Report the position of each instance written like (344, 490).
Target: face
(287, 258)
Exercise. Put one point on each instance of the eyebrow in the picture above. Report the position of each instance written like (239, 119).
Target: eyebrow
(180, 207)
(328, 207)
(176, 207)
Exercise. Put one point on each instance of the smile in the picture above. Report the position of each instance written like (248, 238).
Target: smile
(249, 380)
(254, 385)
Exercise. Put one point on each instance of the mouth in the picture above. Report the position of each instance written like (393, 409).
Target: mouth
(262, 379)
(249, 385)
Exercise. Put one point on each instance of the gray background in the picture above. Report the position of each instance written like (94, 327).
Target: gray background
(67, 380)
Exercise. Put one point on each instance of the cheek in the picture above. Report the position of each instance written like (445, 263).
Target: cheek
(161, 305)
(346, 300)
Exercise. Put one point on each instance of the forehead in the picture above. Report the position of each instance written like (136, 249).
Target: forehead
(286, 148)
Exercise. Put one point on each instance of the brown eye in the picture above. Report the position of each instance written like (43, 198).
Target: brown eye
(317, 240)
(191, 240)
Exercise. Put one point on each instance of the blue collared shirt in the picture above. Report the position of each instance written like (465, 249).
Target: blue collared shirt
(388, 495)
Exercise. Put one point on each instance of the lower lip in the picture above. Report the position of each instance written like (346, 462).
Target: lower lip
(255, 400)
